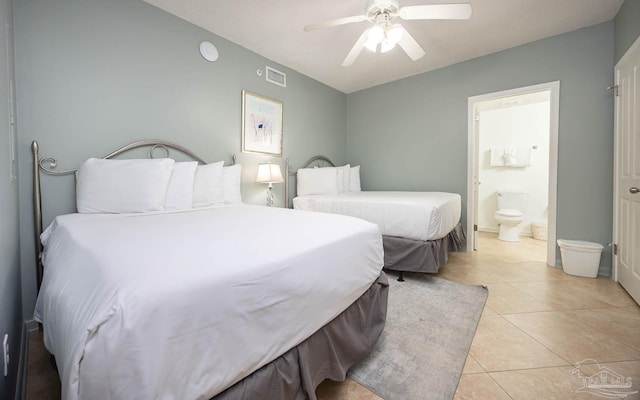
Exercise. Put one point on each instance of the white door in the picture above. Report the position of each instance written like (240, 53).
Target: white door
(627, 176)
(476, 181)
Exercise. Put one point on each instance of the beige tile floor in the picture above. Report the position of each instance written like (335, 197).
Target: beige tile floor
(537, 324)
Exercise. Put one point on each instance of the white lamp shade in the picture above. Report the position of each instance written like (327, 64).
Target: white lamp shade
(375, 36)
(386, 45)
(395, 33)
(269, 173)
(391, 38)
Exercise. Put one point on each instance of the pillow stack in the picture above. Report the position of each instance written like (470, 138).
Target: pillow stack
(145, 185)
(330, 180)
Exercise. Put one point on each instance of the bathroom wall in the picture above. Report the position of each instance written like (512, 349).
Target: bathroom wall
(517, 125)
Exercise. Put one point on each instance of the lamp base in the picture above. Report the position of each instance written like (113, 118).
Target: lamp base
(269, 196)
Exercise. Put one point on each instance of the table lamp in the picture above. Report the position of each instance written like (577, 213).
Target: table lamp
(269, 173)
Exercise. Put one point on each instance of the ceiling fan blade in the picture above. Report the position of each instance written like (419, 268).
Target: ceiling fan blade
(356, 49)
(409, 45)
(436, 11)
(335, 22)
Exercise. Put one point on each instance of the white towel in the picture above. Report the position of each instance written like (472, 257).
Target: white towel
(497, 159)
(510, 156)
(522, 157)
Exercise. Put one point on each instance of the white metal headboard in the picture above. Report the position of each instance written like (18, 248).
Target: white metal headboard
(48, 164)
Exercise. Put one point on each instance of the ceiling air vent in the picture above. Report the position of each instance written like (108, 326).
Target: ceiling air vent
(276, 77)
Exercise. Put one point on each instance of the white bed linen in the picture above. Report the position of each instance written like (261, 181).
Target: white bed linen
(411, 215)
(181, 305)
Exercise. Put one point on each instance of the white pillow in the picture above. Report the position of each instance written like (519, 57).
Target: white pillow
(122, 186)
(208, 185)
(317, 181)
(180, 190)
(354, 179)
(344, 178)
(231, 184)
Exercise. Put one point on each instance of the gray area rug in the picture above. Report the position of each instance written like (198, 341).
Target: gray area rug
(422, 350)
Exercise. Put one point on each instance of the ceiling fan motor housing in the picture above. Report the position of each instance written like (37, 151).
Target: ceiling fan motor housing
(377, 7)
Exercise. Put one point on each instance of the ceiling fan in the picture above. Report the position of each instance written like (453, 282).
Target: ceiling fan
(387, 34)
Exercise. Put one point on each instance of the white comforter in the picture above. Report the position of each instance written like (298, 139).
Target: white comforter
(182, 305)
(411, 215)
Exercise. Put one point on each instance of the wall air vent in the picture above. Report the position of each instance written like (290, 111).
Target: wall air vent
(276, 77)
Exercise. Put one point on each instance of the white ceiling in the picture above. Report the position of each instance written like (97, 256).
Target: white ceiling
(274, 29)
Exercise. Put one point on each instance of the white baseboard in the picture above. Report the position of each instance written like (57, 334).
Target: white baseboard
(493, 229)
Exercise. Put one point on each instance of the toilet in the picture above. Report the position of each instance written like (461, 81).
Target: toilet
(511, 206)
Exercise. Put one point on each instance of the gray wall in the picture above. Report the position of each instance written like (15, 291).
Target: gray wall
(412, 134)
(627, 27)
(94, 75)
(10, 287)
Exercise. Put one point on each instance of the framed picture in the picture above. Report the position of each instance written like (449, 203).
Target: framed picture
(261, 124)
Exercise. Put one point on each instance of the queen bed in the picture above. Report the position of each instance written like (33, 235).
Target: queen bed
(224, 300)
(418, 228)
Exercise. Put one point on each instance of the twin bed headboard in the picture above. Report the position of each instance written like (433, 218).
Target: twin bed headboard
(48, 164)
(315, 161)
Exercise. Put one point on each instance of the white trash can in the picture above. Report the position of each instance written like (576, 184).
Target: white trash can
(580, 258)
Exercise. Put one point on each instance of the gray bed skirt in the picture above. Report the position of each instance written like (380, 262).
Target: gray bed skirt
(327, 354)
(401, 254)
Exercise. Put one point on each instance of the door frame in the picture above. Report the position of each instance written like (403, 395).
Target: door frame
(472, 157)
(616, 140)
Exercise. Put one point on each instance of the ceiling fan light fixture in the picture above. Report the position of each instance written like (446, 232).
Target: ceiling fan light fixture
(391, 38)
(375, 36)
(394, 34)
(386, 45)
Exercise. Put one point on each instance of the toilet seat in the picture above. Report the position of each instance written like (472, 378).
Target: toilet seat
(506, 213)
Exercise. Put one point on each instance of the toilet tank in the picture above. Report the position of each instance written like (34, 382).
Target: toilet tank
(512, 200)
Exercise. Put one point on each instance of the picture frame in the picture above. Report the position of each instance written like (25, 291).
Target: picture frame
(261, 124)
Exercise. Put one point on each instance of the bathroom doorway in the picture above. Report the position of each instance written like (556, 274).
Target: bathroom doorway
(513, 148)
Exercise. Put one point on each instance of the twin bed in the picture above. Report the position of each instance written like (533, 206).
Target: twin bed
(418, 228)
(223, 300)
